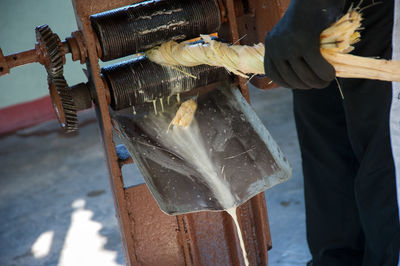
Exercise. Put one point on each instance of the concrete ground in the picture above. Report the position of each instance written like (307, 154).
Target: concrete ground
(56, 206)
(55, 203)
(285, 202)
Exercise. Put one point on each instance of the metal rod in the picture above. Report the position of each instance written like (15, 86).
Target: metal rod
(22, 58)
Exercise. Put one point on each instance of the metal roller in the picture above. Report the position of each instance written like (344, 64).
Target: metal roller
(139, 81)
(139, 27)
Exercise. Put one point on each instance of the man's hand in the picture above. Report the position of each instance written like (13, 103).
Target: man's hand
(292, 49)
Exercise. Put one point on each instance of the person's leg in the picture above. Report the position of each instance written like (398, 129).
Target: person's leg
(334, 231)
(367, 112)
(367, 107)
(351, 219)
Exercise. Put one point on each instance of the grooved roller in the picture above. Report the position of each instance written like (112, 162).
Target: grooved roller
(139, 27)
(139, 81)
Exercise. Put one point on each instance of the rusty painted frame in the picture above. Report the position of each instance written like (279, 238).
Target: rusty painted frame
(249, 24)
(149, 236)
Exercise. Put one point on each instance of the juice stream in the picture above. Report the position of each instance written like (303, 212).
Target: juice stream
(188, 143)
(232, 213)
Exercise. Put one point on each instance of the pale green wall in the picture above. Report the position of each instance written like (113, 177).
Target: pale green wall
(18, 19)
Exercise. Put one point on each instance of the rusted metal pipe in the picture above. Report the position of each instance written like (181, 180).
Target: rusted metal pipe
(23, 58)
(74, 45)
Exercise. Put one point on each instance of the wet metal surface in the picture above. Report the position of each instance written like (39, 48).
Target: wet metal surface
(221, 160)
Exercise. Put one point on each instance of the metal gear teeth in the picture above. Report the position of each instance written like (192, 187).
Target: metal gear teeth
(67, 102)
(50, 40)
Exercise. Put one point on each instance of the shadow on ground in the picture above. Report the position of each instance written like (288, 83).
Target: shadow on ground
(56, 206)
(55, 203)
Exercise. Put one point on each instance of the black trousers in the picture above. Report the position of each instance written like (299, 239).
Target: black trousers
(352, 214)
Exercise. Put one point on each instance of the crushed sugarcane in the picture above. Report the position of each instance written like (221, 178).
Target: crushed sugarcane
(184, 115)
(336, 42)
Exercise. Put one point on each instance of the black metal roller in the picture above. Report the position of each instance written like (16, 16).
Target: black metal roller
(139, 81)
(139, 27)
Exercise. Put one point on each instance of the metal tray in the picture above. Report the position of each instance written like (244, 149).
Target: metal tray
(225, 157)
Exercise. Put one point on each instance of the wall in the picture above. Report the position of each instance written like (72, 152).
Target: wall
(18, 19)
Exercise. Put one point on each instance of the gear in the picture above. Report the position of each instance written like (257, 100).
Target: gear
(50, 42)
(63, 103)
(60, 92)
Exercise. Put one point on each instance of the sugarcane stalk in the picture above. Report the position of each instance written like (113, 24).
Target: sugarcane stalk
(335, 44)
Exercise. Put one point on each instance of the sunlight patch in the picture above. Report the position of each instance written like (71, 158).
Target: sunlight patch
(42, 245)
(84, 245)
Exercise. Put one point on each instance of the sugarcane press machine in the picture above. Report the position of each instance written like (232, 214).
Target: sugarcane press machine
(112, 29)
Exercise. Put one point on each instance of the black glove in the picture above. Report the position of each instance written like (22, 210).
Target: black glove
(292, 48)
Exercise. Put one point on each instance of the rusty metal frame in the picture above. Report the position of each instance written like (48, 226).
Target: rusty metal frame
(249, 24)
(149, 236)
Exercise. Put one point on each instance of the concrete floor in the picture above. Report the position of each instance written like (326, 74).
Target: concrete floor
(55, 203)
(56, 207)
(285, 202)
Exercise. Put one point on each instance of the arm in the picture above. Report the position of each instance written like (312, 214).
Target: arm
(292, 54)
